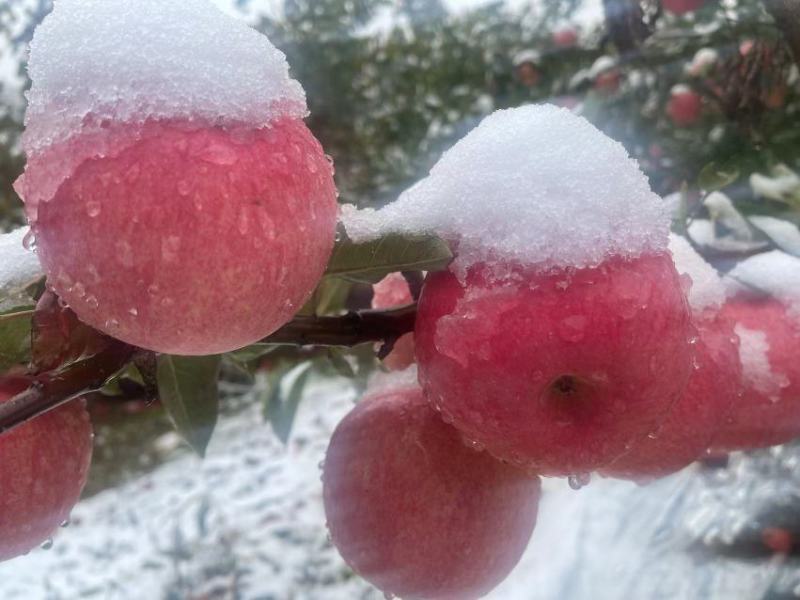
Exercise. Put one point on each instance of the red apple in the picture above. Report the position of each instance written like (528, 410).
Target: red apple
(391, 292)
(415, 511)
(680, 7)
(565, 37)
(684, 106)
(45, 463)
(608, 82)
(560, 372)
(768, 412)
(689, 428)
(191, 239)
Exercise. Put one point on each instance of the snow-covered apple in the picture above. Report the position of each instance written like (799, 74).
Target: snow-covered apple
(413, 509)
(764, 305)
(45, 463)
(180, 205)
(560, 334)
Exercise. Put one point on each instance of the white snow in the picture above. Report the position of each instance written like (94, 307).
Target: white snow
(756, 368)
(775, 273)
(785, 234)
(18, 266)
(702, 62)
(707, 291)
(537, 185)
(128, 61)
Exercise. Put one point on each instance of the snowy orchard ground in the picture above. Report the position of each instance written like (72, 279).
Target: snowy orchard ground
(248, 523)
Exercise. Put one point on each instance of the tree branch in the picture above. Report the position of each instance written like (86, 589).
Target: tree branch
(787, 17)
(50, 390)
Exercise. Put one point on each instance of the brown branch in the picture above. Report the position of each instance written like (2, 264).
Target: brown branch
(50, 390)
(787, 17)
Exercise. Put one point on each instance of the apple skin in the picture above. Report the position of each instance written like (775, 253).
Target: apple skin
(685, 108)
(557, 372)
(392, 292)
(681, 7)
(45, 463)
(689, 428)
(417, 512)
(565, 37)
(759, 419)
(192, 239)
(608, 82)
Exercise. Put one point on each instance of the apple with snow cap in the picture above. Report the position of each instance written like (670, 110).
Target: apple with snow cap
(714, 385)
(764, 304)
(684, 106)
(413, 509)
(178, 204)
(46, 463)
(560, 335)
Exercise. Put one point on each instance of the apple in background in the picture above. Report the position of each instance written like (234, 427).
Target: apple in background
(193, 239)
(417, 512)
(681, 7)
(684, 106)
(565, 37)
(44, 464)
(768, 412)
(392, 292)
(558, 372)
(689, 428)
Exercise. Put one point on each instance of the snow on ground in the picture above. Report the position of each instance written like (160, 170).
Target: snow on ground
(249, 521)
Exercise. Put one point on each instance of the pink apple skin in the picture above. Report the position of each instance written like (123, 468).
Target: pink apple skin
(415, 511)
(565, 38)
(44, 464)
(685, 108)
(391, 292)
(560, 373)
(689, 428)
(681, 7)
(757, 419)
(192, 240)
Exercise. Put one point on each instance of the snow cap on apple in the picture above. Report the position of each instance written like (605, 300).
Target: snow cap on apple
(536, 185)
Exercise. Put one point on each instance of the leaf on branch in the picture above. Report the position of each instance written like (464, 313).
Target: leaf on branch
(280, 403)
(371, 261)
(329, 297)
(58, 338)
(15, 338)
(187, 386)
(717, 175)
(338, 360)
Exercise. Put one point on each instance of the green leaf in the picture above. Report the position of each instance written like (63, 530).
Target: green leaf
(717, 175)
(337, 358)
(187, 386)
(15, 338)
(281, 410)
(371, 261)
(253, 352)
(329, 297)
